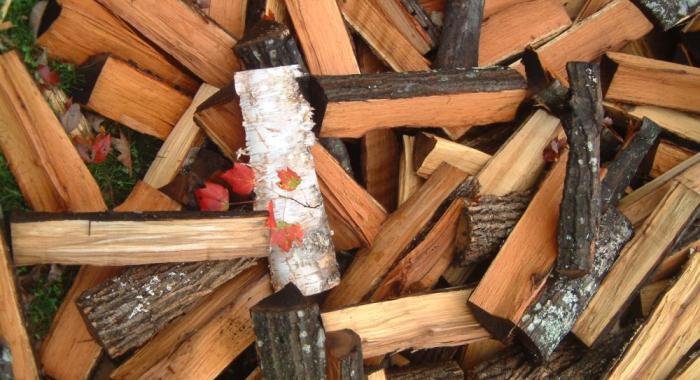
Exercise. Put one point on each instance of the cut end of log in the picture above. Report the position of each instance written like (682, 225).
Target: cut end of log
(90, 72)
(287, 299)
(499, 328)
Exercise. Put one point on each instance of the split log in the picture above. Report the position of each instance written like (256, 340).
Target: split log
(344, 353)
(184, 136)
(269, 44)
(268, 96)
(486, 223)
(323, 38)
(580, 207)
(398, 231)
(603, 32)
(670, 13)
(476, 353)
(109, 88)
(672, 263)
(290, 340)
(409, 322)
(203, 47)
(650, 294)
(205, 340)
(220, 118)
(439, 371)
(13, 332)
(230, 15)
(620, 171)
(459, 41)
(552, 315)
(691, 370)
(412, 22)
(521, 267)
(76, 30)
(431, 151)
(638, 80)
(409, 181)
(369, 21)
(684, 125)
(144, 197)
(350, 106)
(667, 156)
(104, 239)
(589, 8)
(667, 334)
(380, 166)
(421, 268)
(377, 375)
(637, 261)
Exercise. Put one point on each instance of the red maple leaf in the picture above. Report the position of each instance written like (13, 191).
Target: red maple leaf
(212, 197)
(285, 235)
(241, 178)
(271, 215)
(101, 147)
(552, 152)
(50, 77)
(289, 179)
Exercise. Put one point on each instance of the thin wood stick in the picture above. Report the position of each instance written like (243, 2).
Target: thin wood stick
(409, 181)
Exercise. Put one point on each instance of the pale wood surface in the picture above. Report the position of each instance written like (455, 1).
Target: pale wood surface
(183, 32)
(229, 14)
(440, 319)
(380, 165)
(144, 197)
(132, 97)
(668, 155)
(679, 123)
(406, 24)
(518, 164)
(367, 18)
(636, 261)
(204, 341)
(409, 181)
(477, 352)
(402, 226)
(590, 7)
(667, 334)
(646, 81)
(431, 151)
(490, 6)
(85, 28)
(323, 37)
(104, 243)
(691, 370)
(181, 139)
(649, 294)
(223, 124)
(672, 263)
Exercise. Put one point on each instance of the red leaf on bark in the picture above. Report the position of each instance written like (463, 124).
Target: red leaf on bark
(212, 197)
(50, 77)
(552, 152)
(289, 179)
(101, 147)
(286, 235)
(241, 178)
(271, 215)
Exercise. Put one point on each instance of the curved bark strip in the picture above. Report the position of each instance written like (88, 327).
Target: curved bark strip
(278, 124)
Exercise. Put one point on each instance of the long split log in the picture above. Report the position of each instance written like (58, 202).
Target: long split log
(431, 151)
(412, 22)
(230, 15)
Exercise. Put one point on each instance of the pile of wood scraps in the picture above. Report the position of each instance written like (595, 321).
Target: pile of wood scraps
(351, 189)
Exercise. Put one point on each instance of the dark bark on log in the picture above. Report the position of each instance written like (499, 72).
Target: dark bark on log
(269, 44)
(290, 340)
(441, 371)
(552, 315)
(553, 98)
(486, 223)
(344, 353)
(126, 311)
(624, 166)
(580, 206)
(419, 14)
(668, 13)
(336, 147)
(459, 42)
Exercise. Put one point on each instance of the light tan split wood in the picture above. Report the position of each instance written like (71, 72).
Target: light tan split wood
(409, 181)
(431, 151)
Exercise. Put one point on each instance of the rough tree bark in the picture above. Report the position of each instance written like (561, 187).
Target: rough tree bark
(668, 13)
(289, 336)
(344, 352)
(278, 124)
(441, 371)
(459, 42)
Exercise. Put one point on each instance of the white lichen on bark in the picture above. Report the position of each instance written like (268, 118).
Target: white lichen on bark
(278, 122)
(670, 13)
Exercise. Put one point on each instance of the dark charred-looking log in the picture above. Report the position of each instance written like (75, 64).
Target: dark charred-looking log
(290, 340)
(126, 311)
(669, 13)
(344, 352)
(486, 223)
(624, 166)
(552, 315)
(440, 371)
(580, 206)
(269, 44)
(459, 42)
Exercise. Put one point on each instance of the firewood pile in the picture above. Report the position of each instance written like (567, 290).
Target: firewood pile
(401, 189)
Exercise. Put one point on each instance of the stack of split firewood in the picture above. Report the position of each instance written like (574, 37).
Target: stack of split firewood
(402, 189)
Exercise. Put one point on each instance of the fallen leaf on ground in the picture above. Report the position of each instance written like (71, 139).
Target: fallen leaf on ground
(48, 76)
(123, 146)
(241, 178)
(212, 197)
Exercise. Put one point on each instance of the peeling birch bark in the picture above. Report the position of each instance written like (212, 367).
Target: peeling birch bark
(278, 123)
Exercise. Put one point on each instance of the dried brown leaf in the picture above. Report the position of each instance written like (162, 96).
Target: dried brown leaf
(123, 146)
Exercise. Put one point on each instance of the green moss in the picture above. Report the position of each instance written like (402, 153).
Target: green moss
(10, 197)
(44, 305)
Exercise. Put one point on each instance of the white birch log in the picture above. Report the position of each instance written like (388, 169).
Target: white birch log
(278, 123)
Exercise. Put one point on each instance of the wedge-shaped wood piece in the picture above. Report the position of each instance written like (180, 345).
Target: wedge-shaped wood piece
(499, 41)
(344, 353)
(368, 19)
(650, 294)
(323, 38)
(521, 267)
(636, 262)
(431, 151)
(603, 31)
(184, 136)
(638, 80)
(669, 332)
(144, 197)
(409, 181)
(670, 13)
(230, 15)
(682, 124)
(204, 341)
(12, 327)
(121, 92)
(410, 322)
(185, 33)
(672, 263)
(136, 238)
(398, 231)
(76, 30)
(350, 106)
(220, 118)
